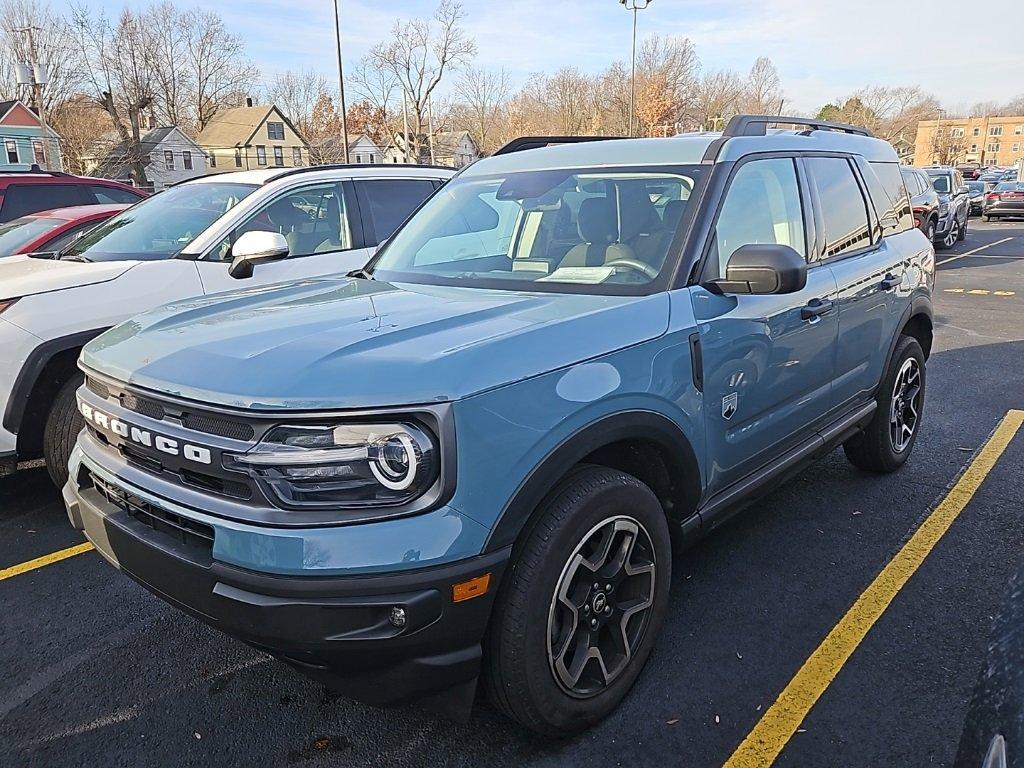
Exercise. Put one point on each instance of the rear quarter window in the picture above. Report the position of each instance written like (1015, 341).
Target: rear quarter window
(23, 199)
(890, 197)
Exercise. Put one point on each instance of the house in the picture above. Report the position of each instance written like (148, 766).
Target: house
(168, 153)
(25, 141)
(251, 137)
(362, 150)
(451, 148)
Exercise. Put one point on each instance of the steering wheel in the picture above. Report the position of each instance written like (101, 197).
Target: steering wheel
(635, 264)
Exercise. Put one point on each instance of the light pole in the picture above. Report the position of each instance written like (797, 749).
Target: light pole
(634, 6)
(341, 85)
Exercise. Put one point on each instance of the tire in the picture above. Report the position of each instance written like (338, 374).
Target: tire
(951, 237)
(522, 670)
(929, 230)
(876, 449)
(962, 235)
(987, 218)
(63, 424)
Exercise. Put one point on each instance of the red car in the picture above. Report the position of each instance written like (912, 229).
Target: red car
(50, 231)
(25, 192)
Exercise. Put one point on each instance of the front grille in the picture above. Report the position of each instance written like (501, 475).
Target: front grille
(98, 387)
(185, 530)
(213, 425)
(143, 406)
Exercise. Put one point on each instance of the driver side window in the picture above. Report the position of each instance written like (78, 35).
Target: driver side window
(312, 219)
(762, 205)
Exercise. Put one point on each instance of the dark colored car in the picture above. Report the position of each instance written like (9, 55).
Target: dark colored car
(50, 231)
(969, 170)
(25, 192)
(954, 205)
(924, 200)
(1007, 199)
(976, 190)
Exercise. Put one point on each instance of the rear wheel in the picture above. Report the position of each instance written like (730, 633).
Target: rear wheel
(929, 230)
(63, 424)
(886, 443)
(580, 610)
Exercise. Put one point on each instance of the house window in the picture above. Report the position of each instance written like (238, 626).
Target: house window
(974, 147)
(957, 133)
(37, 152)
(373, 158)
(278, 155)
(1016, 146)
(238, 158)
(261, 155)
(976, 132)
(995, 130)
(12, 150)
(359, 159)
(169, 160)
(275, 131)
(186, 160)
(212, 159)
(1018, 130)
(296, 156)
(993, 147)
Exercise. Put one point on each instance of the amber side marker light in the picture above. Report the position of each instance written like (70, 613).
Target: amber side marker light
(467, 590)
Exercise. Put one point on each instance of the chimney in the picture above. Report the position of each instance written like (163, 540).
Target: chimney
(248, 101)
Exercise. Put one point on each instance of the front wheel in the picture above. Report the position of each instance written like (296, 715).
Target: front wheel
(929, 230)
(886, 443)
(63, 424)
(962, 234)
(582, 605)
(950, 238)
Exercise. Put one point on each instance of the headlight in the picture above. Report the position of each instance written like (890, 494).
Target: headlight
(343, 465)
(943, 209)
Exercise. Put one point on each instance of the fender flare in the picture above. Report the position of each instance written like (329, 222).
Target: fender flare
(919, 306)
(33, 368)
(650, 426)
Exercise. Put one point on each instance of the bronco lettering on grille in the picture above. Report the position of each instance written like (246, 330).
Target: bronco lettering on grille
(162, 443)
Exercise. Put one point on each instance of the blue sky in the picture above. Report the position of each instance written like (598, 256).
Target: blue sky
(823, 48)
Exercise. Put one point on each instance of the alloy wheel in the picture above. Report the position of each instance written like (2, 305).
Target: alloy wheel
(905, 407)
(954, 231)
(601, 606)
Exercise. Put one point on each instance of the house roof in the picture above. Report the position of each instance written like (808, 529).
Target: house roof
(10, 105)
(6, 106)
(236, 127)
(115, 161)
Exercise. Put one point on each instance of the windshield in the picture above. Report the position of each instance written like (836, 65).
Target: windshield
(15, 235)
(604, 231)
(159, 227)
(976, 186)
(1009, 186)
(941, 182)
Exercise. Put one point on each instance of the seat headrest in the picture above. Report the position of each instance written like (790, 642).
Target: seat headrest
(638, 214)
(596, 220)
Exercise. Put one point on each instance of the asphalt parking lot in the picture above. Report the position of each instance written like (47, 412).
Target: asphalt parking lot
(97, 671)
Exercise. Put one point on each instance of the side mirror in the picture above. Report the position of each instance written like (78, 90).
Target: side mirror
(763, 268)
(254, 248)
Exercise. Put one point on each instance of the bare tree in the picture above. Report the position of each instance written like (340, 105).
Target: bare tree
(419, 54)
(171, 75)
(763, 90)
(221, 75)
(297, 94)
(484, 93)
(54, 48)
(716, 97)
(81, 124)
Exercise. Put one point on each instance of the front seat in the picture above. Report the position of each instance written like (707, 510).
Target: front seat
(596, 223)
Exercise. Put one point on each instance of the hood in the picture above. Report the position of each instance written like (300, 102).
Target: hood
(347, 343)
(25, 276)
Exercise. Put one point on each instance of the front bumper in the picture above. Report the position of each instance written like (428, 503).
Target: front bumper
(335, 629)
(944, 224)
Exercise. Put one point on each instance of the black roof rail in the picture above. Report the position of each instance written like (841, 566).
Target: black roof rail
(352, 166)
(757, 125)
(536, 142)
(34, 168)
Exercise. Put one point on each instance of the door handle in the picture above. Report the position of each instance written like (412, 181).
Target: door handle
(890, 281)
(815, 308)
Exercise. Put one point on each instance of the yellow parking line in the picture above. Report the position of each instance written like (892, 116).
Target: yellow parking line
(39, 562)
(781, 720)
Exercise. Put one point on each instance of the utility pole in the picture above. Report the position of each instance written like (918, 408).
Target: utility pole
(430, 127)
(405, 127)
(634, 6)
(34, 74)
(341, 84)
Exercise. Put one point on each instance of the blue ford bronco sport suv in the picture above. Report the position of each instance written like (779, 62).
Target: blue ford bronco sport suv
(466, 463)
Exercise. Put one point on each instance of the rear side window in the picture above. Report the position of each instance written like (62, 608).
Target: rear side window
(105, 194)
(843, 207)
(23, 199)
(386, 203)
(890, 198)
(912, 182)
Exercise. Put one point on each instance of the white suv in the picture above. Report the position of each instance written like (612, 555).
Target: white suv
(199, 237)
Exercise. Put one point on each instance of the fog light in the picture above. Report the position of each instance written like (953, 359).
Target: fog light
(397, 617)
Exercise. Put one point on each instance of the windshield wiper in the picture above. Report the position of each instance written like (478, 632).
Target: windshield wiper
(361, 274)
